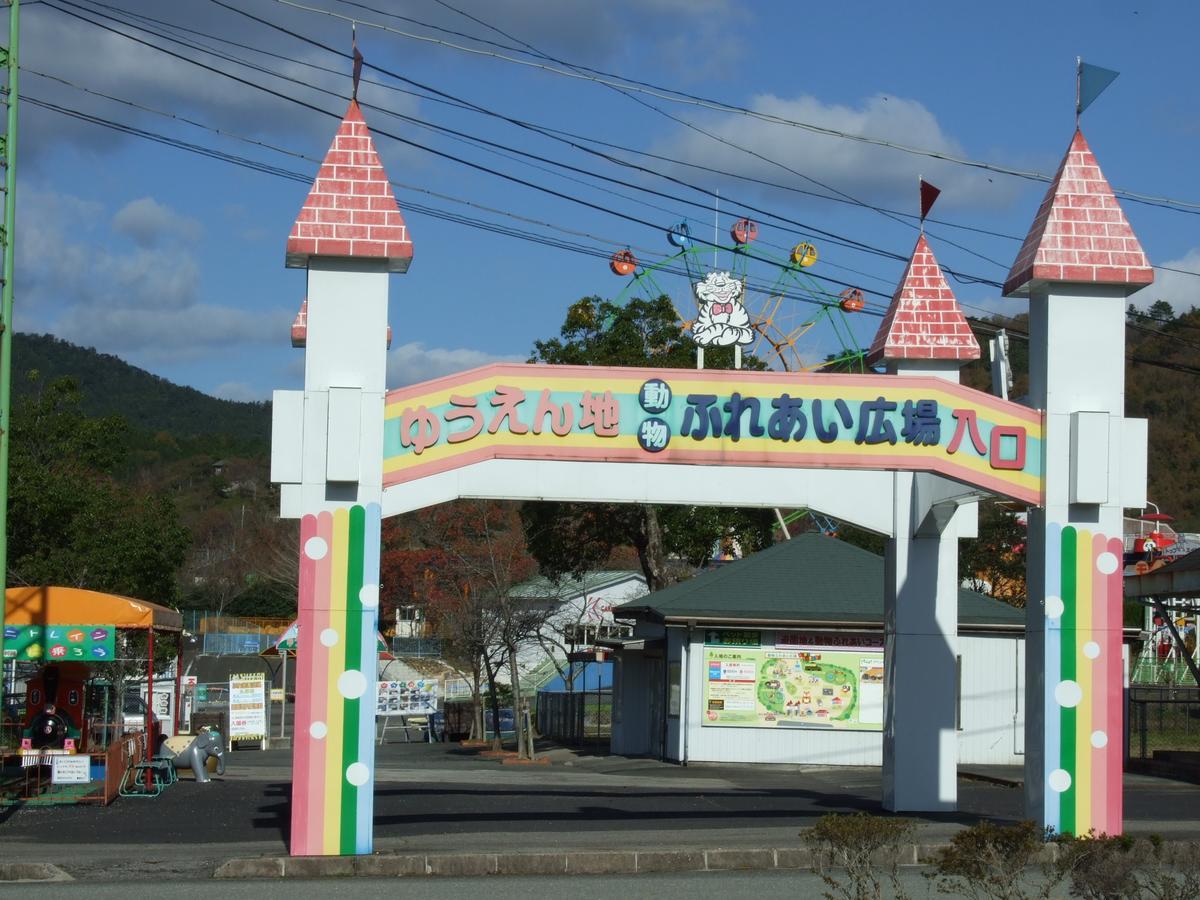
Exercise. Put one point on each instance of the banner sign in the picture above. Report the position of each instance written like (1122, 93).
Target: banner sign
(58, 643)
(247, 707)
(705, 417)
(769, 687)
(726, 638)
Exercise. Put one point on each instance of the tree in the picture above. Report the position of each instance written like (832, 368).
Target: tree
(571, 538)
(70, 521)
(459, 562)
(994, 562)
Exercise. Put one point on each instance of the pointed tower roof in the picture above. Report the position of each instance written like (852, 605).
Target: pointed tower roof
(1080, 233)
(924, 320)
(351, 210)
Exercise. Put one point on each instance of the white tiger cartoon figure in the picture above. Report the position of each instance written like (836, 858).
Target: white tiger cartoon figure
(722, 321)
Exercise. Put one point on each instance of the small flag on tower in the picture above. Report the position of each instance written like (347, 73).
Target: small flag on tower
(929, 195)
(358, 61)
(1090, 83)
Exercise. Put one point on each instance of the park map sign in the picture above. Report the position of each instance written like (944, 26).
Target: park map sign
(794, 681)
(709, 417)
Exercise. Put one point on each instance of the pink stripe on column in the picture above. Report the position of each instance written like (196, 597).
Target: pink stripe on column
(1116, 699)
(315, 778)
(301, 745)
(1099, 700)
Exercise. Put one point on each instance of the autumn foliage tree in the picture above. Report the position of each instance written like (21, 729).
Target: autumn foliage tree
(459, 562)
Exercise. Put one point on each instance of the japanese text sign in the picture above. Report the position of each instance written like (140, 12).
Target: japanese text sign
(727, 418)
(60, 643)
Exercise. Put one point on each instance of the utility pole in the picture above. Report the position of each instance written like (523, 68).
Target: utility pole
(6, 305)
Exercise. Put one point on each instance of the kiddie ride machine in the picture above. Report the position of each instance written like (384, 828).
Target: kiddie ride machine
(62, 704)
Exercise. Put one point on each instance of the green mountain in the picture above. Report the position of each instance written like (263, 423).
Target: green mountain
(111, 386)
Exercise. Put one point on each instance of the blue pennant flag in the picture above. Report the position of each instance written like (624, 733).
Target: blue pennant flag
(1092, 81)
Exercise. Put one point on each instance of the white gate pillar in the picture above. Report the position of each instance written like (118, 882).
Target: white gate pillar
(1079, 263)
(923, 333)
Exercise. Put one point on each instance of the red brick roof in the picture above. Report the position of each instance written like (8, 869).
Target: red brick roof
(924, 320)
(1080, 233)
(351, 210)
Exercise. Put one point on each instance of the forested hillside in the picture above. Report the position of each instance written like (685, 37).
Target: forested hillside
(111, 386)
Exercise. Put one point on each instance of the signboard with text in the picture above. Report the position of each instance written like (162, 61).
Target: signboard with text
(247, 707)
(708, 417)
(60, 643)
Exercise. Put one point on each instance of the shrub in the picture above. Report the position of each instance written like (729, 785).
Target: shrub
(992, 861)
(863, 849)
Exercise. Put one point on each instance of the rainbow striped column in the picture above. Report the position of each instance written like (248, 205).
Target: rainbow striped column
(333, 760)
(1084, 681)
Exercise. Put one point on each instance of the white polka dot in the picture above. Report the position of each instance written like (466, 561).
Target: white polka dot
(1068, 694)
(329, 637)
(357, 774)
(1054, 607)
(351, 684)
(1059, 780)
(1091, 649)
(1106, 562)
(318, 730)
(369, 596)
(315, 548)
(1099, 739)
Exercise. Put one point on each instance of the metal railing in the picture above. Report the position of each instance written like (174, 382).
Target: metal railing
(575, 717)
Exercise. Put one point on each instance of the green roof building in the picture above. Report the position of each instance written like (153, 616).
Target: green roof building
(779, 658)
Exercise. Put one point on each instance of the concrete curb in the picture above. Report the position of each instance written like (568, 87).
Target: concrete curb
(581, 862)
(27, 872)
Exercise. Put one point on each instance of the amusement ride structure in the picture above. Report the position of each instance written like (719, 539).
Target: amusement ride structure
(783, 302)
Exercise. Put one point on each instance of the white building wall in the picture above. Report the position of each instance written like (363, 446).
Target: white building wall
(991, 703)
(992, 700)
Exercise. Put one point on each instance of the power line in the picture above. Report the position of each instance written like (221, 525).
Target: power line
(675, 96)
(549, 132)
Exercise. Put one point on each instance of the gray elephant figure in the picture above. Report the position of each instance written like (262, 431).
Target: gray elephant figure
(186, 751)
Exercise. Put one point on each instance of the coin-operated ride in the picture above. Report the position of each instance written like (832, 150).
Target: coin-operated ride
(54, 706)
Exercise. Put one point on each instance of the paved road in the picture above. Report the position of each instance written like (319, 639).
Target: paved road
(685, 886)
(439, 799)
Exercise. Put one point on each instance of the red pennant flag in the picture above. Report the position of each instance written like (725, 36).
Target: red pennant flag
(929, 195)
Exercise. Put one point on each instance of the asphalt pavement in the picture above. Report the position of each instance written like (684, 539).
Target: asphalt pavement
(446, 799)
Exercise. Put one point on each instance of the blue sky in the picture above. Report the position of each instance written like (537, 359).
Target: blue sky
(174, 261)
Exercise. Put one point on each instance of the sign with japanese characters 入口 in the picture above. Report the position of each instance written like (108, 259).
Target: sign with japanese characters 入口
(725, 418)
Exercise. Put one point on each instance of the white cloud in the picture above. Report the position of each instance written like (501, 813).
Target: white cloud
(145, 302)
(413, 362)
(870, 173)
(149, 223)
(1180, 290)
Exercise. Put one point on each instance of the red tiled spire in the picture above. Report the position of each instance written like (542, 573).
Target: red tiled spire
(1080, 233)
(351, 210)
(924, 321)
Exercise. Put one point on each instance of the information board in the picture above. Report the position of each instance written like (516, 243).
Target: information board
(815, 686)
(247, 707)
(404, 698)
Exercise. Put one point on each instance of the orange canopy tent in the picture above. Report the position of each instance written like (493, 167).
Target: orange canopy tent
(50, 606)
(75, 606)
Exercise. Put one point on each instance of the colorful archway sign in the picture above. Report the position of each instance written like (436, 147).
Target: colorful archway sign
(732, 418)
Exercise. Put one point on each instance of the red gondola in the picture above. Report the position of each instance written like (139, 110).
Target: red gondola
(623, 262)
(851, 300)
(744, 231)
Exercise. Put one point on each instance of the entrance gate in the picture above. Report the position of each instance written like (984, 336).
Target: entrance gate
(905, 454)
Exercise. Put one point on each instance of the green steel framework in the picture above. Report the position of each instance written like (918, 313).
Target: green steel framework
(6, 303)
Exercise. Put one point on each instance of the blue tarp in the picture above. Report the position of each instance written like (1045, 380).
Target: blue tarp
(592, 676)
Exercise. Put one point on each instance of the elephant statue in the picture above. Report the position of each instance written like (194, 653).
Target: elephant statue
(193, 751)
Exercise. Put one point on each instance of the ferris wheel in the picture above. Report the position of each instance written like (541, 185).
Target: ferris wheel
(760, 299)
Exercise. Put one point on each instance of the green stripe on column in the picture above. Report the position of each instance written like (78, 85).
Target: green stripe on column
(354, 660)
(1066, 672)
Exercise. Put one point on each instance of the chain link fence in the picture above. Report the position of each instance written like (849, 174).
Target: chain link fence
(1162, 721)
